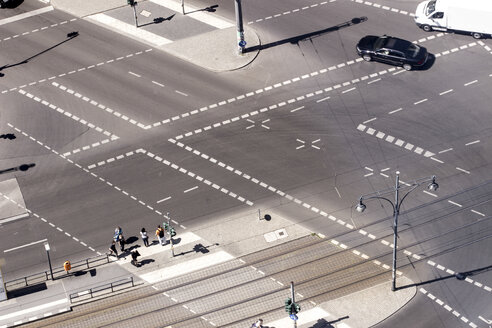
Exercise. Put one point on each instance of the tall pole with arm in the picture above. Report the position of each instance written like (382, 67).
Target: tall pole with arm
(396, 208)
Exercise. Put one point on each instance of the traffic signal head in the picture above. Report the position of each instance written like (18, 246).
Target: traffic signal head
(297, 308)
(166, 226)
(172, 232)
(288, 306)
(130, 2)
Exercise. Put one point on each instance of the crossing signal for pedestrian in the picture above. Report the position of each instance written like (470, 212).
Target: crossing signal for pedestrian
(166, 226)
(288, 306)
(172, 232)
(131, 2)
(296, 308)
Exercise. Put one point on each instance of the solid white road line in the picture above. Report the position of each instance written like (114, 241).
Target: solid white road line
(34, 308)
(186, 267)
(26, 245)
(26, 15)
(195, 13)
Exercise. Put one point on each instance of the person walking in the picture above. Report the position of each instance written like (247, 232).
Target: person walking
(122, 241)
(258, 324)
(145, 237)
(112, 249)
(135, 255)
(160, 235)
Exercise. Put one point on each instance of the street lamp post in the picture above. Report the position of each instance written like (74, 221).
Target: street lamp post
(47, 247)
(396, 208)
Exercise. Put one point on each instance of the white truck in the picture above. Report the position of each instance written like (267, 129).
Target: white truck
(463, 16)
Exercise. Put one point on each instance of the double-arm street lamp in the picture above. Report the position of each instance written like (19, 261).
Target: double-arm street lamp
(431, 185)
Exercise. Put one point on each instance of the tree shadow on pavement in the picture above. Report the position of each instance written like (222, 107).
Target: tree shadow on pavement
(302, 37)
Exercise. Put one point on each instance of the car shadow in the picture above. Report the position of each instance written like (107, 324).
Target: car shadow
(13, 4)
(428, 64)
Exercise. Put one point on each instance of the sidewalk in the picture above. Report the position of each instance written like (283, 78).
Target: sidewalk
(200, 37)
(233, 238)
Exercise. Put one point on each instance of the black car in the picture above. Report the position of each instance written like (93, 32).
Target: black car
(392, 50)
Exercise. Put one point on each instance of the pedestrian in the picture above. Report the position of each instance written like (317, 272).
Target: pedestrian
(112, 249)
(135, 255)
(117, 232)
(145, 237)
(258, 324)
(160, 235)
(122, 242)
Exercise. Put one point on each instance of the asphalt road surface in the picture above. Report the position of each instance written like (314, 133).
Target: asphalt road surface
(121, 134)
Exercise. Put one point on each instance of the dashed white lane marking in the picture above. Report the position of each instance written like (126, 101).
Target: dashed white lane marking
(38, 29)
(470, 83)
(395, 141)
(445, 150)
(298, 10)
(134, 74)
(75, 71)
(112, 159)
(159, 84)
(463, 170)
(395, 10)
(283, 103)
(197, 177)
(190, 189)
(42, 218)
(447, 307)
(111, 136)
(100, 106)
(260, 183)
(122, 191)
(163, 200)
(472, 142)
(181, 93)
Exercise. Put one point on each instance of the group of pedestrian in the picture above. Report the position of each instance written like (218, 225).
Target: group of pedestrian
(118, 238)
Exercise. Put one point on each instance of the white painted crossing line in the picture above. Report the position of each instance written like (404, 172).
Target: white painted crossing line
(187, 267)
(129, 29)
(26, 15)
(191, 189)
(26, 245)
(195, 13)
(34, 309)
(186, 238)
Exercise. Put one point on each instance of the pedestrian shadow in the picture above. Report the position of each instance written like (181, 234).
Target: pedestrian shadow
(302, 37)
(158, 20)
(146, 261)
(131, 240)
(459, 276)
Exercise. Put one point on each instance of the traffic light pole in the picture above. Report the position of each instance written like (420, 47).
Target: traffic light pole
(292, 295)
(241, 43)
